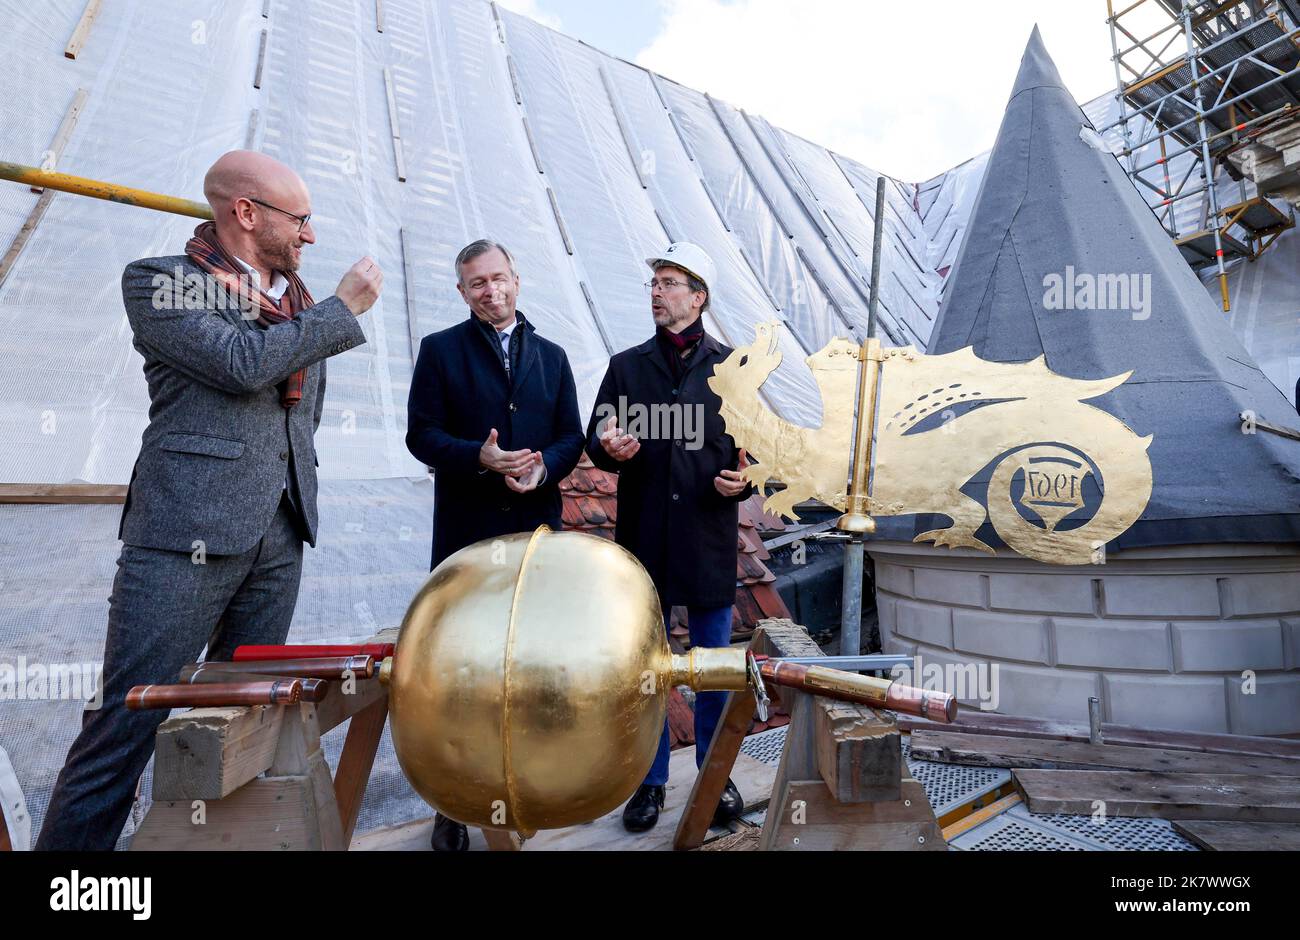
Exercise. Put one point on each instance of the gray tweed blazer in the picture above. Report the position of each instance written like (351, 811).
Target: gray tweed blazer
(219, 446)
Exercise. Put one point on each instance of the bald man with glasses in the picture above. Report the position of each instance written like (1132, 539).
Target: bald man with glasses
(223, 493)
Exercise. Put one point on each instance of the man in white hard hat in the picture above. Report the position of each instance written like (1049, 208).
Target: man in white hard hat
(679, 482)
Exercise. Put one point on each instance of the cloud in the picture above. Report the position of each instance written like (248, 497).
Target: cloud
(909, 89)
(530, 9)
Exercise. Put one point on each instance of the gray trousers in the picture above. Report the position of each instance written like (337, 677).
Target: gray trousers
(164, 608)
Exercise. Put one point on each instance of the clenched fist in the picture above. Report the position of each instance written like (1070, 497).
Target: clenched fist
(360, 287)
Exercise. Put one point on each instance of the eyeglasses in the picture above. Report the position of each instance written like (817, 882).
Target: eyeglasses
(302, 220)
(665, 283)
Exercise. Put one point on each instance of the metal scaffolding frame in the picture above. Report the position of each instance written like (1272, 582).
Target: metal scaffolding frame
(1211, 77)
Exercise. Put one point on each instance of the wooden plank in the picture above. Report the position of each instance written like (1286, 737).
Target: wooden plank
(811, 820)
(408, 282)
(1219, 836)
(981, 815)
(207, 753)
(987, 750)
(59, 492)
(355, 762)
(15, 823)
(744, 839)
(1243, 797)
(338, 706)
(395, 125)
(737, 716)
(975, 722)
(250, 136)
(51, 157)
(7, 264)
(753, 779)
(261, 60)
(861, 754)
(854, 756)
(500, 841)
(82, 31)
(267, 814)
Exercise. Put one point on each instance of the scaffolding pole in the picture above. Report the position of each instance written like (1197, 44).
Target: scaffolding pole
(1236, 75)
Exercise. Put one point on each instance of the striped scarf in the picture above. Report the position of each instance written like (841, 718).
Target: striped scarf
(206, 250)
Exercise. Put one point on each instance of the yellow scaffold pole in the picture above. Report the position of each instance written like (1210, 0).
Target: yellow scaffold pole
(81, 186)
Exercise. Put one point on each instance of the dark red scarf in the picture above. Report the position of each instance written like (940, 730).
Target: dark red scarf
(687, 337)
(675, 346)
(206, 250)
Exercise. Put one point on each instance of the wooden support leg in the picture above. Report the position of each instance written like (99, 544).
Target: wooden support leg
(501, 841)
(805, 814)
(292, 807)
(358, 757)
(737, 717)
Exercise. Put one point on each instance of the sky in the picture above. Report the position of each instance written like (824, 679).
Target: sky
(907, 88)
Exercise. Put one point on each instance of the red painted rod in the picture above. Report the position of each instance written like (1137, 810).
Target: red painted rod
(377, 650)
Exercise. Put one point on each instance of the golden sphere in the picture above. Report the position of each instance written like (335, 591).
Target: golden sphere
(530, 681)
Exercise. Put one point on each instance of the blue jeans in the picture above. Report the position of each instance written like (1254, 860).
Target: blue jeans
(709, 627)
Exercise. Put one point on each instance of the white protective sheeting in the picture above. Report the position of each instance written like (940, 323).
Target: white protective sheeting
(581, 163)
(58, 564)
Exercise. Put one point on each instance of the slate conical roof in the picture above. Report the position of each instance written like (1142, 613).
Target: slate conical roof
(1056, 207)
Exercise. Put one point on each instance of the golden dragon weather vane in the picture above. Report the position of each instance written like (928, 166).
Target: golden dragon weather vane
(927, 426)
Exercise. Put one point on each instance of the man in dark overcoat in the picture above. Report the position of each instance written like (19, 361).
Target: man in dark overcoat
(658, 425)
(494, 411)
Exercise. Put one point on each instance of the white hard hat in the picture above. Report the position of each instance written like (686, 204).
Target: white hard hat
(690, 258)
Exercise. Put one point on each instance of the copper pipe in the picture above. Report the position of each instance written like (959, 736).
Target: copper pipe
(863, 690)
(313, 690)
(265, 692)
(377, 650)
(324, 667)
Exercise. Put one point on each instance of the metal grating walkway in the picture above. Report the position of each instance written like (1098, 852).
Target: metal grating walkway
(949, 786)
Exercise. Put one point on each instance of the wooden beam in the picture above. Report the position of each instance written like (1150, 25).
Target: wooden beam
(16, 248)
(339, 706)
(49, 162)
(858, 750)
(976, 722)
(1236, 797)
(52, 156)
(737, 718)
(856, 764)
(261, 60)
(250, 136)
(60, 493)
(395, 125)
(268, 814)
(412, 327)
(500, 841)
(1219, 836)
(364, 733)
(986, 750)
(208, 753)
(82, 31)
(812, 821)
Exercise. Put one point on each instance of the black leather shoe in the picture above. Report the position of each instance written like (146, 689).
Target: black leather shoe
(642, 811)
(448, 835)
(730, 805)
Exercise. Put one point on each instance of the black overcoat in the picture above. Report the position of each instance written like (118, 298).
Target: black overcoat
(459, 393)
(669, 514)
